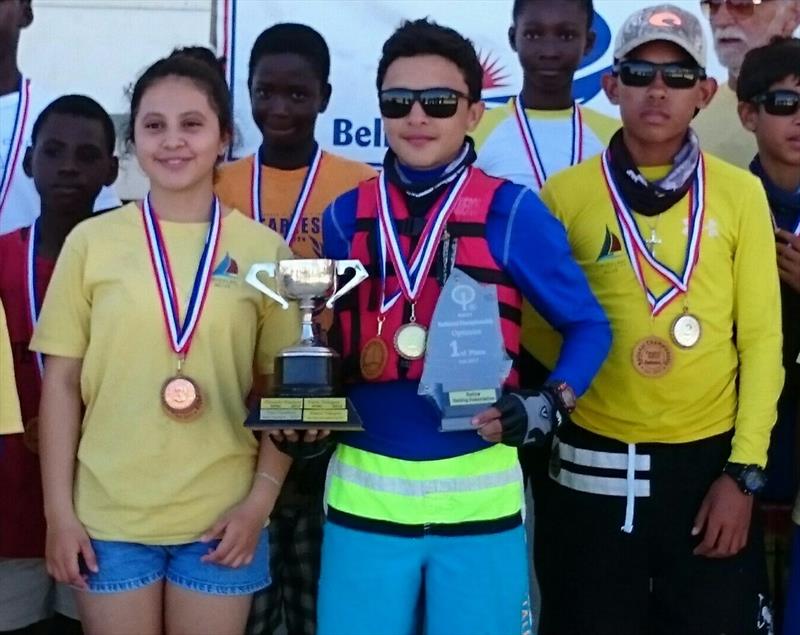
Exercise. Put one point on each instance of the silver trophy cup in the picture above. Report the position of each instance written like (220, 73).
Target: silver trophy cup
(307, 387)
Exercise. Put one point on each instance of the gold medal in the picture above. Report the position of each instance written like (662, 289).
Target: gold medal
(373, 358)
(652, 357)
(409, 341)
(181, 398)
(686, 330)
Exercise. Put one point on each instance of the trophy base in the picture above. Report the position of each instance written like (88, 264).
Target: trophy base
(306, 394)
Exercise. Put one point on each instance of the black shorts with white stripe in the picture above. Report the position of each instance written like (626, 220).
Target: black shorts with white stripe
(614, 544)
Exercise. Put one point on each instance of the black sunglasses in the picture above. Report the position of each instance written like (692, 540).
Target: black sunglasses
(675, 75)
(440, 103)
(778, 102)
(737, 8)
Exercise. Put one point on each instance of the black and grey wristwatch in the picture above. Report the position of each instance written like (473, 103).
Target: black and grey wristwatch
(751, 479)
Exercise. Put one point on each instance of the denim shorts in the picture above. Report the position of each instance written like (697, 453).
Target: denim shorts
(126, 566)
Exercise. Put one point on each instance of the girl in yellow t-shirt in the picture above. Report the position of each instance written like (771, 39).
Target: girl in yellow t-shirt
(151, 336)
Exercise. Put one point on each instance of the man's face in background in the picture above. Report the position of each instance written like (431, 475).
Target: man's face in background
(740, 25)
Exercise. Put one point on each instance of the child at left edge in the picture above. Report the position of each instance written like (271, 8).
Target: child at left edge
(70, 160)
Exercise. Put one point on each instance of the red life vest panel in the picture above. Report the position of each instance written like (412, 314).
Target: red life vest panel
(357, 313)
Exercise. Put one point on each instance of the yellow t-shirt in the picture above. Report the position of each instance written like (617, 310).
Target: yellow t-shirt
(501, 149)
(279, 192)
(721, 132)
(141, 475)
(10, 418)
(734, 293)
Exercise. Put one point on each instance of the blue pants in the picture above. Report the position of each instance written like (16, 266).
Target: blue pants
(377, 584)
(791, 625)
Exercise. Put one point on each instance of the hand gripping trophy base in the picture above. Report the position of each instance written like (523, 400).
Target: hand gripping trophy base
(307, 391)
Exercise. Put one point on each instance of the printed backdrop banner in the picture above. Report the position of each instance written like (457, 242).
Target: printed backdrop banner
(355, 31)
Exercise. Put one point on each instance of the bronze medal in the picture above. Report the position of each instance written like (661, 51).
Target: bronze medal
(686, 330)
(409, 341)
(181, 398)
(652, 357)
(373, 360)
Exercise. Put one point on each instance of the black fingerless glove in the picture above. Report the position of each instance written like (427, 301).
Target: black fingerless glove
(527, 417)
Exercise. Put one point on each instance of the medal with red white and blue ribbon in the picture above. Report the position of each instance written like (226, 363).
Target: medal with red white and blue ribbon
(30, 288)
(17, 140)
(529, 141)
(686, 328)
(411, 273)
(180, 395)
(636, 248)
(302, 198)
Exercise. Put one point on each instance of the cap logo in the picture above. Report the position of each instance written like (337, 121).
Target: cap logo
(665, 19)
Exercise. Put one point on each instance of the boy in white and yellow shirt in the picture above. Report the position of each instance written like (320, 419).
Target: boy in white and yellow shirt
(543, 130)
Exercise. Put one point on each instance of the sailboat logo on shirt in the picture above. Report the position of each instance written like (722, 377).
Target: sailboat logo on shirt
(227, 269)
(611, 246)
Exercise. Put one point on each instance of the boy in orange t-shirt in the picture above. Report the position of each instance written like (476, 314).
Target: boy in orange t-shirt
(287, 185)
(296, 180)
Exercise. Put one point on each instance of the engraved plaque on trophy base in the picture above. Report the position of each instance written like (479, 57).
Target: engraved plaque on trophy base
(306, 394)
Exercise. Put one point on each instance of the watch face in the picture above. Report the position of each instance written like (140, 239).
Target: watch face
(564, 393)
(754, 479)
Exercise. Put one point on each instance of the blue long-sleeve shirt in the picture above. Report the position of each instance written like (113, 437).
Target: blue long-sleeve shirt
(531, 246)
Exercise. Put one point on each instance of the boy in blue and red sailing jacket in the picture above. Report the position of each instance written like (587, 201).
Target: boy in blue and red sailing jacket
(412, 510)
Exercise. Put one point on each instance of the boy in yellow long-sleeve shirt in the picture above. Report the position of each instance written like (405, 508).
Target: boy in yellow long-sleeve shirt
(648, 511)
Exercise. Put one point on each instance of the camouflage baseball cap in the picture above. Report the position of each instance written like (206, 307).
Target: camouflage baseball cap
(662, 22)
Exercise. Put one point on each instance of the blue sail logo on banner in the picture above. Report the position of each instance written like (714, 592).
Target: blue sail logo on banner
(585, 87)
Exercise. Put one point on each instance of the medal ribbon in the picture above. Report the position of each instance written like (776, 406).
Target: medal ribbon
(300, 203)
(30, 287)
(180, 335)
(17, 139)
(636, 248)
(529, 140)
(411, 278)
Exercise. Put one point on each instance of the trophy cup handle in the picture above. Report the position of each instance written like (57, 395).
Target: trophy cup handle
(341, 267)
(252, 279)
